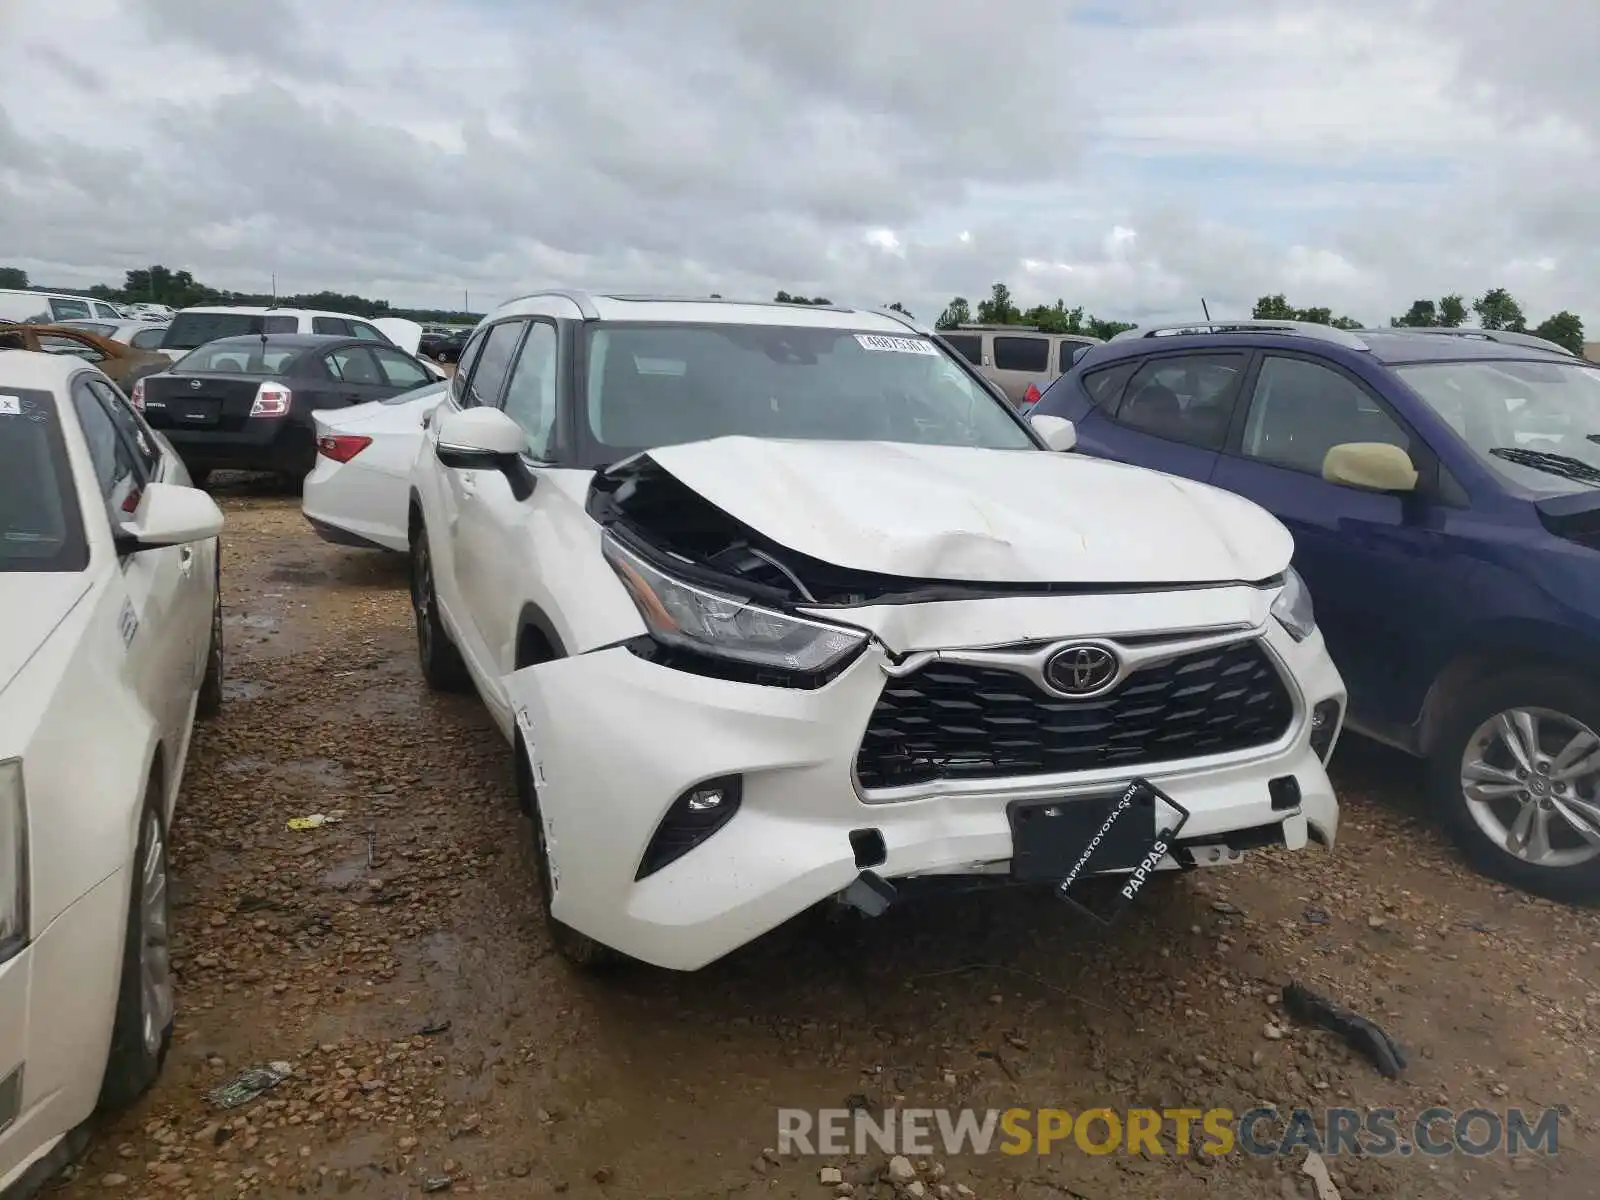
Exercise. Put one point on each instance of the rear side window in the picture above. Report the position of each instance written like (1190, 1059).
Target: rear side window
(189, 330)
(1185, 398)
(105, 310)
(489, 375)
(469, 356)
(330, 325)
(128, 425)
(968, 345)
(67, 310)
(119, 471)
(353, 364)
(1022, 354)
(1068, 354)
(367, 332)
(399, 370)
(41, 527)
(1105, 385)
(147, 339)
(280, 324)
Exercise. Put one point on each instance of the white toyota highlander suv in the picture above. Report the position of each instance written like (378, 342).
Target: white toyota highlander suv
(778, 603)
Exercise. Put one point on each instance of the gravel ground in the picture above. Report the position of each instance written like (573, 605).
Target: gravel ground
(396, 961)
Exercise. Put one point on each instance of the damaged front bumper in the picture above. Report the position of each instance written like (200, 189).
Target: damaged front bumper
(619, 743)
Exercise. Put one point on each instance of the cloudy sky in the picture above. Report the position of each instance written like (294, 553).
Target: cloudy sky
(1130, 156)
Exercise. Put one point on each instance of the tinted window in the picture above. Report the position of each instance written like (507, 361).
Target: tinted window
(56, 343)
(1186, 398)
(494, 363)
(367, 332)
(1105, 385)
(247, 357)
(65, 310)
(1300, 410)
(353, 364)
(469, 355)
(24, 307)
(191, 329)
(280, 324)
(1022, 354)
(133, 430)
(661, 384)
(531, 394)
(968, 345)
(147, 339)
(40, 526)
(118, 470)
(398, 370)
(330, 325)
(1069, 352)
(105, 310)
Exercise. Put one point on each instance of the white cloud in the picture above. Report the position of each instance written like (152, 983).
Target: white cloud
(1350, 153)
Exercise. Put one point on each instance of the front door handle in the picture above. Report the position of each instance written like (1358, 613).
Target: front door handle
(185, 562)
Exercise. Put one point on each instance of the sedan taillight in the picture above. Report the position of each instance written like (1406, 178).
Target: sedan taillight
(272, 400)
(341, 447)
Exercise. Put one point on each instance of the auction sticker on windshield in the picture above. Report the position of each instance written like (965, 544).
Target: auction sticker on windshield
(897, 345)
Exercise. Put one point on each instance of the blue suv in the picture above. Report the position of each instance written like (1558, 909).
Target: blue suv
(1444, 496)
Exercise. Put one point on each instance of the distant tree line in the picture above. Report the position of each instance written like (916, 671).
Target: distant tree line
(180, 289)
(998, 309)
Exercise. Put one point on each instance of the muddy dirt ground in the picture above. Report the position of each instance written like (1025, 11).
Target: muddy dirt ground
(334, 949)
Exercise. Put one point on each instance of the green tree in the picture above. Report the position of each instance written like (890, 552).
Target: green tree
(786, 298)
(1273, 308)
(1104, 329)
(902, 309)
(998, 309)
(1423, 314)
(957, 312)
(1565, 329)
(1497, 310)
(1452, 311)
(1345, 323)
(13, 277)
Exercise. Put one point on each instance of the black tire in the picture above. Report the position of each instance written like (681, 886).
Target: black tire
(209, 704)
(1574, 884)
(577, 948)
(135, 1060)
(442, 667)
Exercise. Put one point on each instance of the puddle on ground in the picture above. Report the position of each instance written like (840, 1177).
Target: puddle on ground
(244, 689)
(344, 875)
(297, 575)
(250, 620)
(245, 764)
(321, 773)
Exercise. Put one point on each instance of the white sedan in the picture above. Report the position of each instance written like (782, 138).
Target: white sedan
(111, 644)
(357, 494)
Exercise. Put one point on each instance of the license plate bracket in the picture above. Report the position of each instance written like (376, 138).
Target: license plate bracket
(1065, 842)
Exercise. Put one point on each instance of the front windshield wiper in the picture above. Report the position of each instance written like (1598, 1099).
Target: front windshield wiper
(1563, 465)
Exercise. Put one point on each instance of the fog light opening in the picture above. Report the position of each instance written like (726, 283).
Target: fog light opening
(694, 816)
(1324, 728)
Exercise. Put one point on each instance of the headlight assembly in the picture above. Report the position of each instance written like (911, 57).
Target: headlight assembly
(683, 616)
(1292, 607)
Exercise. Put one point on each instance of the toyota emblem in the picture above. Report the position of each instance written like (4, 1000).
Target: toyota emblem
(1081, 670)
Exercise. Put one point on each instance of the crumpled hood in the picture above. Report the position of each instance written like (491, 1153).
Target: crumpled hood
(990, 516)
(34, 602)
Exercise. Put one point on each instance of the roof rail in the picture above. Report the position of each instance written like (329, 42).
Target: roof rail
(650, 298)
(1509, 337)
(1308, 329)
(906, 319)
(585, 305)
(972, 328)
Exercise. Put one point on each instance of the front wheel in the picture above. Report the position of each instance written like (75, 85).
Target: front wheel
(1516, 776)
(442, 667)
(142, 1031)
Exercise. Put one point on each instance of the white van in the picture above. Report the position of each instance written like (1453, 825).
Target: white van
(46, 308)
(196, 326)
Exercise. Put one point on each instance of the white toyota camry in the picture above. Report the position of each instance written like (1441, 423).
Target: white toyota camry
(111, 643)
(780, 603)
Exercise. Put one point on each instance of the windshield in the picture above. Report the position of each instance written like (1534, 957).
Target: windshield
(654, 385)
(245, 357)
(40, 527)
(1535, 424)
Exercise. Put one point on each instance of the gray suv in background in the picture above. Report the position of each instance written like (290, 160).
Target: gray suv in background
(1014, 356)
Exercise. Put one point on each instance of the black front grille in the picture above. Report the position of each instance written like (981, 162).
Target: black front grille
(954, 721)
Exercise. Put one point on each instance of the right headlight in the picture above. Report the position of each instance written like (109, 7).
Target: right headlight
(1292, 607)
(681, 615)
(13, 860)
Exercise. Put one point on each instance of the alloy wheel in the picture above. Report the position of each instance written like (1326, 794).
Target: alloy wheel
(1531, 781)
(155, 957)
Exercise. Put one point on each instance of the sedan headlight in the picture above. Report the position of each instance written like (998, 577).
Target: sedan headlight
(13, 860)
(1292, 607)
(681, 615)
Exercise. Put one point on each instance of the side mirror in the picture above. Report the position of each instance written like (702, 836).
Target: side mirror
(169, 515)
(1058, 432)
(1374, 466)
(485, 439)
